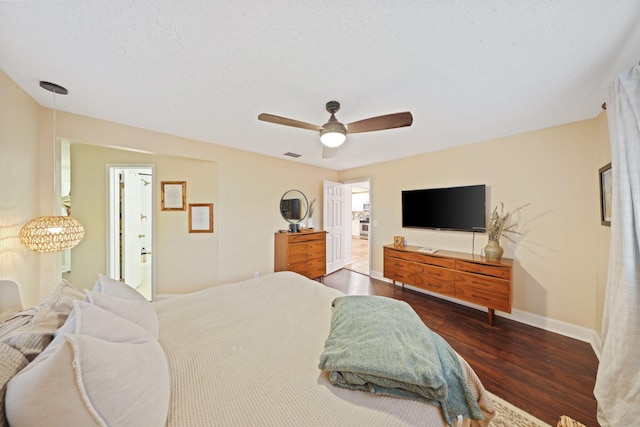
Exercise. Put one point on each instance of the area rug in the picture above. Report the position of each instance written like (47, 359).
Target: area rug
(508, 415)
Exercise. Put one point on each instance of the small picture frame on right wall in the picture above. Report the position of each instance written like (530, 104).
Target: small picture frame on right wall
(200, 217)
(606, 180)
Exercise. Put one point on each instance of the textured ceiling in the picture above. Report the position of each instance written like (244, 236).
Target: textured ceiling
(468, 70)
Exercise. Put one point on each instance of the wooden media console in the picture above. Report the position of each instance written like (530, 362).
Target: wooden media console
(459, 275)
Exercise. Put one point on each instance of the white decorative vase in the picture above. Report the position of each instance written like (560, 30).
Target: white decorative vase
(309, 222)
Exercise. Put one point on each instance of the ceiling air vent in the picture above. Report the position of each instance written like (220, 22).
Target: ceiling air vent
(294, 155)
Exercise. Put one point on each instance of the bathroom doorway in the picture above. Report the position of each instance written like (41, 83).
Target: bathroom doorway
(130, 240)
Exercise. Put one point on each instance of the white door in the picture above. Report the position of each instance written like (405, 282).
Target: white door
(334, 224)
(131, 231)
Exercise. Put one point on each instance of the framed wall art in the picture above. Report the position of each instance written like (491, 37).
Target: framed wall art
(606, 181)
(174, 195)
(200, 217)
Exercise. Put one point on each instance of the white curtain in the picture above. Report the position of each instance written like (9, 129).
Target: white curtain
(618, 381)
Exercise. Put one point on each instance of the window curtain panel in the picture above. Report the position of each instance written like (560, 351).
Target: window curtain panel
(617, 387)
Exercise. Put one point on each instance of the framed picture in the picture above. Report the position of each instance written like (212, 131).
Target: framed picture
(606, 180)
(174, 195)
(200, 217)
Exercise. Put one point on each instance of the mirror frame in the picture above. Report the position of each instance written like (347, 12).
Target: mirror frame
(290, 194)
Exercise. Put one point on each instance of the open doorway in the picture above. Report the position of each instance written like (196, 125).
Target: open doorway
(360, 226)
(131, 226)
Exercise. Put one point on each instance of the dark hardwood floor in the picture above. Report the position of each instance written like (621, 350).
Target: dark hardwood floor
(545, 374)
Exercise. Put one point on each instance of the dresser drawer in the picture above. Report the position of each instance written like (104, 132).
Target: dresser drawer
(388, 252)
(306, 237)
(396, 269)
(434, 260)
(483, 290)
(306, 250)
(482, 283)
(487, 299)
(312, 268)
(487, 270)
(434, 272)
(432, 283)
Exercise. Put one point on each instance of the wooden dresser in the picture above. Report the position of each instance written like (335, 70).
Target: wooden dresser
(304, 252)
(468, 277)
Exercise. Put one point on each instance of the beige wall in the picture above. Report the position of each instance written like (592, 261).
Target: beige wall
(20, 194)
(246, 211)
(553, 169)
(196, 252)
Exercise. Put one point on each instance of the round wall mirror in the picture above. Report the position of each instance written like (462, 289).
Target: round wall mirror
(294, 208)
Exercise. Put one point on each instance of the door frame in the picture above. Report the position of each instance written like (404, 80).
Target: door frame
(113, 215)
(350, 183)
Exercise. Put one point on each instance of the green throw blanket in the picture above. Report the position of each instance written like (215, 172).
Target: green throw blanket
(380, 345)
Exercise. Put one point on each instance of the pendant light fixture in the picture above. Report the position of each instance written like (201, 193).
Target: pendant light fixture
(56, 232)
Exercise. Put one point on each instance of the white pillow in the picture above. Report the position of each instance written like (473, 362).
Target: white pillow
(107, 285)
(110, 372)
(90, 319)
(141, 313)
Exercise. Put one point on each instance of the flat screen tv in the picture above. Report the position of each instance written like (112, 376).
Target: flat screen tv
(454, 208)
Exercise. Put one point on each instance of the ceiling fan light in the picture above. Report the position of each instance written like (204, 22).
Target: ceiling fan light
(333, 133)
(332, 138)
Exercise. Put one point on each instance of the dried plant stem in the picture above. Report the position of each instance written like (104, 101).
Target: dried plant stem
(500, 225)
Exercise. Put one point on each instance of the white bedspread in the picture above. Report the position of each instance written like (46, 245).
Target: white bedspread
(246, 354)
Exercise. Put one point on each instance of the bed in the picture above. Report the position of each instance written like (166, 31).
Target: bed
(240, 354)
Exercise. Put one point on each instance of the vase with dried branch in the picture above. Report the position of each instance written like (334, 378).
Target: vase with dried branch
(310, 214)
(500, 224)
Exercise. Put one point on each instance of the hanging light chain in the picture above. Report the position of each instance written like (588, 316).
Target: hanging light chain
(56, 232)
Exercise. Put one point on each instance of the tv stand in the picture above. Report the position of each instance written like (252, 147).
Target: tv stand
(459, 275)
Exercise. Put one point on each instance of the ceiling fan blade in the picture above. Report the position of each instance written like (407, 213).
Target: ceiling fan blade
(287, 122)
(389, 121)
(328, 152)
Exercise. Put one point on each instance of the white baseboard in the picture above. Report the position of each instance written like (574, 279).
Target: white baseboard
(552, 325)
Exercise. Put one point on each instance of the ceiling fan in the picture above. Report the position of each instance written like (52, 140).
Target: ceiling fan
(333, 133)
